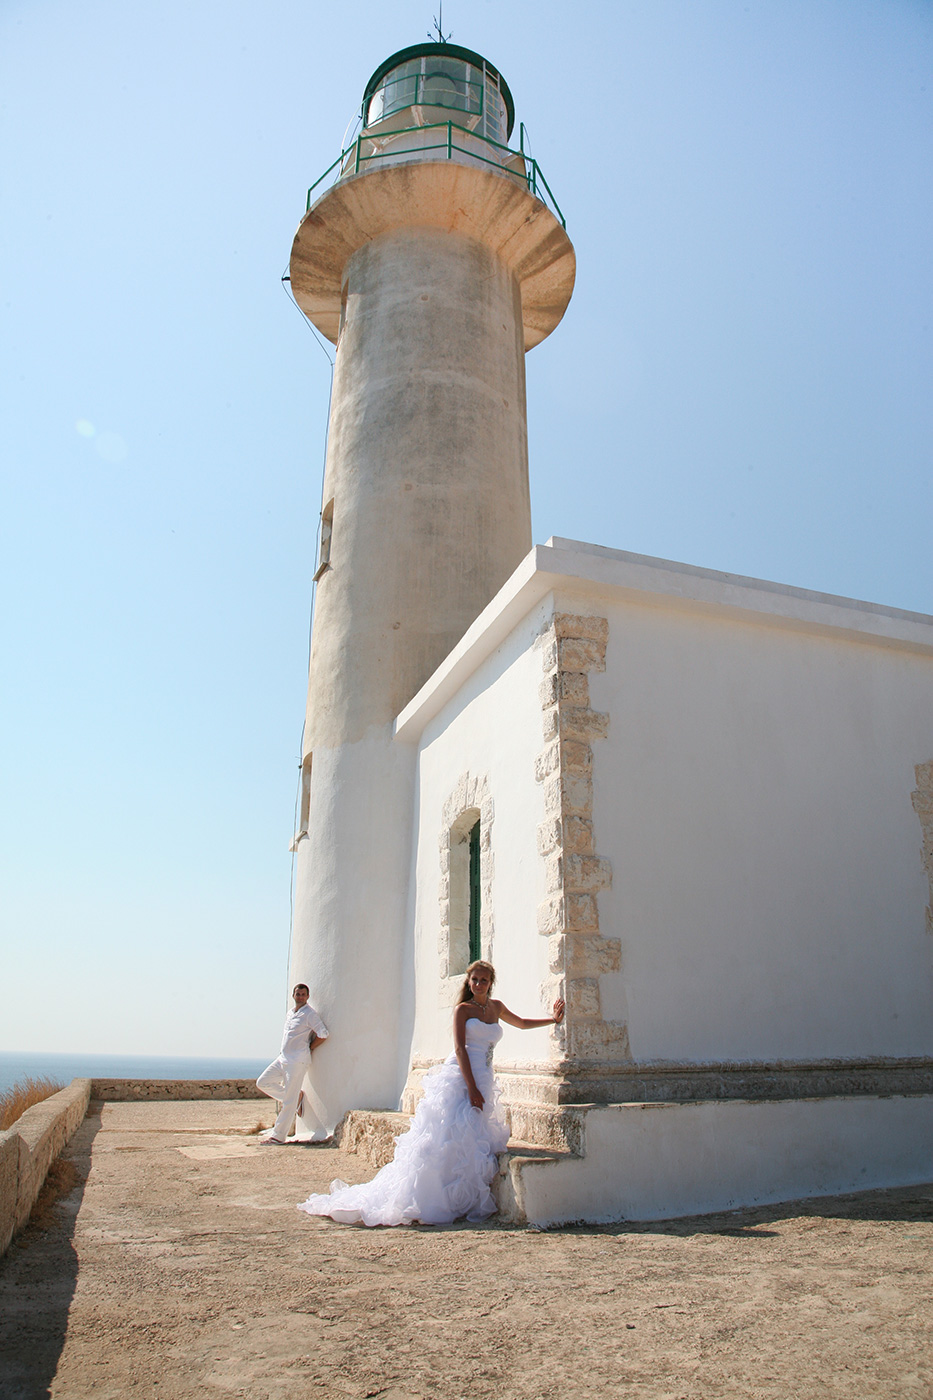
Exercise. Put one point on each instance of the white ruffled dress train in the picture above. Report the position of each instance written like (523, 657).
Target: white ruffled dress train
(445, 1163)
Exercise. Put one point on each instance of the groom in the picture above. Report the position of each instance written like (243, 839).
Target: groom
(284, 1077)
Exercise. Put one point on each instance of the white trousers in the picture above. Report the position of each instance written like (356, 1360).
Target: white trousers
(283, 1080)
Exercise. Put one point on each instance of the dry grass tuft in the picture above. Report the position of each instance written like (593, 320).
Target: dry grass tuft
(15, 1101)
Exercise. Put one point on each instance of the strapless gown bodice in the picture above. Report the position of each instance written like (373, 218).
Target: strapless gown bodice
(481, 1037)
(445, 1164)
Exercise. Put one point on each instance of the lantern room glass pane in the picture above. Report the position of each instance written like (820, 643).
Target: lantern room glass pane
(449, 83)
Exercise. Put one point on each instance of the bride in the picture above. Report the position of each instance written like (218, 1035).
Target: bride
(445, 1162)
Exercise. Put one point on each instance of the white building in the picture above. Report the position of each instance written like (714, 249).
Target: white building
(698, 806)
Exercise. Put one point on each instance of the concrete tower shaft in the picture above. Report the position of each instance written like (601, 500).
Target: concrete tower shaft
(426, 485)
(433, 265)
(434, 278)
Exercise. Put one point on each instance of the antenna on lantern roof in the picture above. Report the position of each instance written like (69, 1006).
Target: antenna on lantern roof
(442, 38)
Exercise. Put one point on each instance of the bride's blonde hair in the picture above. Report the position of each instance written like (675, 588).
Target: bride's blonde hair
(466, 992)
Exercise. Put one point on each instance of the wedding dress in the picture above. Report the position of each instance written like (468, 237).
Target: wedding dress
(444, 1164)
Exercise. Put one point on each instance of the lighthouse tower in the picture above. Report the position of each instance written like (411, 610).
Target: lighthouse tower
(434, 260)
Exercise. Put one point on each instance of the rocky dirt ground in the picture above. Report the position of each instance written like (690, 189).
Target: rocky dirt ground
(177, 1266)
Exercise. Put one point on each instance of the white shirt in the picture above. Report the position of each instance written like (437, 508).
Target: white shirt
(298, 1028)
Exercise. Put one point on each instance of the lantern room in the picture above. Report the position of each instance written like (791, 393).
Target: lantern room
(439, 82)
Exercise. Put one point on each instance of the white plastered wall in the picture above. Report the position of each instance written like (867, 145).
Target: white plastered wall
(490, 730)
(754, 798)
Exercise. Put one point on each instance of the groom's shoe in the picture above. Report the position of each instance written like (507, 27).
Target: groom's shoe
(271, 1142)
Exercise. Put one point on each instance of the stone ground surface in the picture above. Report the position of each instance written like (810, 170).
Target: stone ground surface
(177, 1266)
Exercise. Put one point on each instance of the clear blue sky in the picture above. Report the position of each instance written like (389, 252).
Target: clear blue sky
(742, 381)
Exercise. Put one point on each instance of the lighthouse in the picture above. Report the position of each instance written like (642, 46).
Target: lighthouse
(433, 256)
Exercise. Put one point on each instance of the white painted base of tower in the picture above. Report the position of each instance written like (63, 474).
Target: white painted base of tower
(658, 1161)
(351, 892)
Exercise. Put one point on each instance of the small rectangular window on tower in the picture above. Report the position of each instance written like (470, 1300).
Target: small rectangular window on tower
(327, 529)
(304, 804)
(344, 295)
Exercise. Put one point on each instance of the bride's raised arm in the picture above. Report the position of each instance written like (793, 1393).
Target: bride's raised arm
(525, 1023)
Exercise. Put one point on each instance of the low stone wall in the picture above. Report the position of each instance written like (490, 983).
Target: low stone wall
(156, 1090)
(29, 1148)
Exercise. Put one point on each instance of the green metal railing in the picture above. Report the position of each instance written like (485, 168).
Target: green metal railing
(356, 157)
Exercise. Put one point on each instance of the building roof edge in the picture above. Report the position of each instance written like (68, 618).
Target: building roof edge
(614, 573)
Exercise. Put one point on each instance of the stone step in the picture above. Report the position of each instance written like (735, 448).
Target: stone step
(371, 1134)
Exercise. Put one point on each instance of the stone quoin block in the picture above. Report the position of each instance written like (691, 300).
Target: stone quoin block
(547, 762)
(564, 687)
(547, 644)
(583, 997)
(572, 625)
(575, 757)
(553, 794)
(570, 795)
(551, 724)
(577, 873)
(557, 953)
(574, 872)
(568, 913)
(574, 722)
(549, 990)
(551, 915)
(588, 955)
(554, 872)
(587, 873)
(581, 913)
(549, 836)
(573, 688)
(574, 655)
(549, 690)
(576, 835)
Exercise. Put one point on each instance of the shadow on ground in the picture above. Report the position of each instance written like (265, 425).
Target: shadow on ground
(38, 1275)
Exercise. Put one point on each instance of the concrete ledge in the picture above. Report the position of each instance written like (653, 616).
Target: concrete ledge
(29, 1148)
(658, 1161)
(161, 1090)
(685, 1083)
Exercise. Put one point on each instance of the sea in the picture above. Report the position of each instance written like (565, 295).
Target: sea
(17, 1065)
